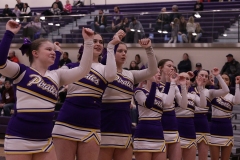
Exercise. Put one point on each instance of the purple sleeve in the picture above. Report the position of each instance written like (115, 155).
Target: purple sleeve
(151, 97)
(56, 62)
(4, 47)
(104, 59)
(167, 87)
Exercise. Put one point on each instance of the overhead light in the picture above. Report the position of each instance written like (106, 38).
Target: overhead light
(50, 24)
(159, 31)
(138, 31)
(216, 10)
(132, 30)
(42, 18)
(17, 20)
(194, 34)
(225, 35)
(57, 24)
(165, 32)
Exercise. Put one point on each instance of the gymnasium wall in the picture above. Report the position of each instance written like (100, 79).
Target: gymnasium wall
(47, 3)
(209, 57)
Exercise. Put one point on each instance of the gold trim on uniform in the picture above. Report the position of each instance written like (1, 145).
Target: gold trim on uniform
(99, 75)
(120, 89)
(221, 109)
(171, 137)
(203, 137)
(3, 66)
(89, 86)
(150, 145)
(84, 95)
(115, 101)
(217, 140)
(188, 143)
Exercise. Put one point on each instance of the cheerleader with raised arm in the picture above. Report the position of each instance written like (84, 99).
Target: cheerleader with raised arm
(149, 143)
(200, 116)
(169, 120)
(29, 132)
(221, 126)
(79, 120)
(185, 114)
(116, 129)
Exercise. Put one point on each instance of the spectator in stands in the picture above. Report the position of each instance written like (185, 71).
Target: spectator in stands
(117, 20)
(125, 25)
(32, 28)
(197, 69)
(232, 68)
(19, 4)
(162, 22)
(12, 57)
(133, 66)
(26, 10)
(175, 13)
(198, 6)
(78, 3)
(175, 30)
(2, 81)
(6, 11)
(59, 4)
(198, 31)
(136, 31)
(100, 22)
(191, 27)
(182, 34)
(65, 60)
(139, 62)
(16, 12)
(8, 99)
(52, 11)
(185, 65)
(67, 8)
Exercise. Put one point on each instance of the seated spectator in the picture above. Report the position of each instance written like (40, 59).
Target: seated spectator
(139, 62)
(232, 68)
(125, 25)
(100, 22)
(191, 27)
(26, 10)
(19, 4)
(12, 57)
(182, 34)
(136, 31)
(133, 66)
(185, 65)
(6, 12)
(52, 11)
(198, 6)
(8, 99)
(175, 14)
(175, 30)
(32, 28)
(16, 12)
(198, 31)
(65, 60)
(117, 21)
(59, 5)
(162, 22)
(67, 8)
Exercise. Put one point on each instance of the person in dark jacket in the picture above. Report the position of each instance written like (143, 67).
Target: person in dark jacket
(8, 99)
(232, 68)
(65, 60)
(175, 14)
(182, 34)
(6, 11)
(198, 6)
(19, 4)
(100, 22)
(162, 22)
(59, 3)
(185, 65)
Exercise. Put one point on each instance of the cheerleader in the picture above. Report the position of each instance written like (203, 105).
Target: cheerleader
(185, 114)
(200, 115)
(78, 123)
(115, 114)
(221, 126)
(169, 121)
(28, 136)
(148, 141)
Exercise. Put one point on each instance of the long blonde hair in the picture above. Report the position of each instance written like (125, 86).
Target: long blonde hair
(191, 19)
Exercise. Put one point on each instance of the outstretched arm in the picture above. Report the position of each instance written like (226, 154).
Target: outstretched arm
(202, 101)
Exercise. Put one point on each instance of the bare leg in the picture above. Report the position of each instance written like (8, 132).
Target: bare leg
(174, 151)
(214, 152)
(226, 152)
(88, 150)
(189, 153)
(18, 156)
(106, 153)
(159, 155)
(65, 149)
(123, 154)
(45, 156)
(143, 155)
(202, 150)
